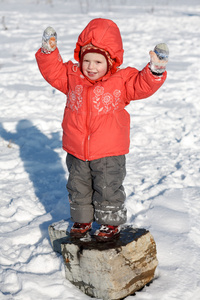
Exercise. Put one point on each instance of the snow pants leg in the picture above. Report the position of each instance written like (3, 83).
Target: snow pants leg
(80, 190)
(96, 190)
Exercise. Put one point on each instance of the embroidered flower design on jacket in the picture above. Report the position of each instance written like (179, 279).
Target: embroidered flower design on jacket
(107, 99)
(79, 89)
(75, 99)
(117, 93)
(99, 90)
(105, 102)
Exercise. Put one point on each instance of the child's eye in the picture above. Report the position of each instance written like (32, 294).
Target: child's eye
(98, 62)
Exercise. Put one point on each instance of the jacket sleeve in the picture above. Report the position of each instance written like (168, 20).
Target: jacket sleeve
(53, 69)
(142, 84)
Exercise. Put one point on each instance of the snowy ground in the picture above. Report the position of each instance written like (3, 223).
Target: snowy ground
(163, 167)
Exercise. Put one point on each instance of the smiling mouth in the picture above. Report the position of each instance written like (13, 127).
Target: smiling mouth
(91, 73)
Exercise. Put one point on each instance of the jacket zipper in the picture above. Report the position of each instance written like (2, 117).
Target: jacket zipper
(88, 115)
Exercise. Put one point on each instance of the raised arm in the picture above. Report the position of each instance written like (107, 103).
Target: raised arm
(143, 84)
(50, 62)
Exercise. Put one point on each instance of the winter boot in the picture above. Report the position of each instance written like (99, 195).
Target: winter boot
(107, 233)
(79, 230)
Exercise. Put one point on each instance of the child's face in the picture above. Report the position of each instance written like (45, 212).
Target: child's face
(94, 65)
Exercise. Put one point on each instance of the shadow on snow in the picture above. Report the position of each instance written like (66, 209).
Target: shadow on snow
(44, 167)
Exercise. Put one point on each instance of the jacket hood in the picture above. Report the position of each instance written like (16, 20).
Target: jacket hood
(104, 34)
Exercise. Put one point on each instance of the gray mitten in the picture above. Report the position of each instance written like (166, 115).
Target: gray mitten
(159, 59)
(49, 40)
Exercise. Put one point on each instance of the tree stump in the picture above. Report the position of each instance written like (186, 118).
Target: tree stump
(111, 270)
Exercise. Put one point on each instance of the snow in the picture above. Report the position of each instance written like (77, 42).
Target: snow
(163, 166)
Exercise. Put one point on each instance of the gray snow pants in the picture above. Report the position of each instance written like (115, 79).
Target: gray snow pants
(95, 190)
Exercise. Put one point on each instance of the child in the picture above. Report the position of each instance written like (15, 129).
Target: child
(96, 127)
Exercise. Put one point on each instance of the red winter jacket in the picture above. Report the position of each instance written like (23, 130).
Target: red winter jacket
(95, 123)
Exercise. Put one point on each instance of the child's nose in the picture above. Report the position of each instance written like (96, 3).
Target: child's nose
(91, 65)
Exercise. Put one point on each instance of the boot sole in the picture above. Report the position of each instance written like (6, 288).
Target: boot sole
(105, 239)
(78, 235)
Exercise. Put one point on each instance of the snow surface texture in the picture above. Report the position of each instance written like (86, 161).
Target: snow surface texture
(163, 166)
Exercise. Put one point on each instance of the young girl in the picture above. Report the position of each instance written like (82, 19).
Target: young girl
(96, 126)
